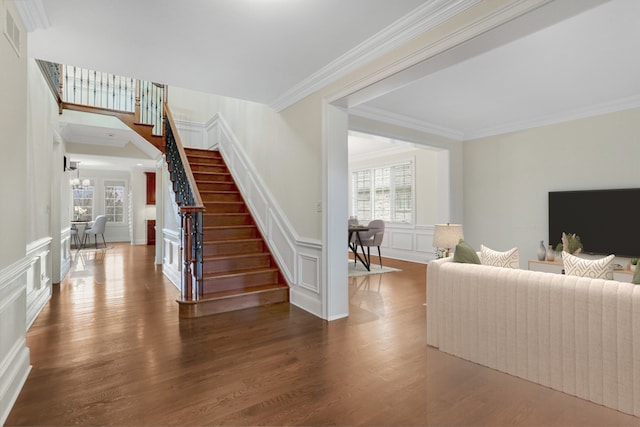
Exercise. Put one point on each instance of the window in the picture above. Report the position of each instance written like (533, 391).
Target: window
(83, 202)
(384, 193)
(114, 200)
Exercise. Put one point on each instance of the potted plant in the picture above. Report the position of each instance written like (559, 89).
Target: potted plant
(632, 264)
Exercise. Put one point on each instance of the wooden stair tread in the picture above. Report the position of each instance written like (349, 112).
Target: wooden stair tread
(228, 227)
(245, 291)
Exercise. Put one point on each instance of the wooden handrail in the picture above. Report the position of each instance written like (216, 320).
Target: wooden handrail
(185, 161)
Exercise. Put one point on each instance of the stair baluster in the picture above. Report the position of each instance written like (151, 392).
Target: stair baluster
(191, 208)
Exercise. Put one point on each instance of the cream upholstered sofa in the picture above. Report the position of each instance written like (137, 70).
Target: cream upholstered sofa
(573, 334)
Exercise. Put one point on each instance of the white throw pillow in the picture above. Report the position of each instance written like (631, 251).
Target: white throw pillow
(508, 259)
(593, 268)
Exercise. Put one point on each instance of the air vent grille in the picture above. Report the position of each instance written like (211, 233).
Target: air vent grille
(12, 31)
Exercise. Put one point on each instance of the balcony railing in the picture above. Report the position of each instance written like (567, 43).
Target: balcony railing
(81, 86)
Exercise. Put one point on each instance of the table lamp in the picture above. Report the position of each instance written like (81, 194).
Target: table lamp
(447, 236)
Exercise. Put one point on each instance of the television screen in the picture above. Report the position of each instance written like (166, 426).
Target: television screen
(607, 221)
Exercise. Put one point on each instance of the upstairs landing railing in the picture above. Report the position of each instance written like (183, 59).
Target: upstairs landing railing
(81, 86)
(191, 210)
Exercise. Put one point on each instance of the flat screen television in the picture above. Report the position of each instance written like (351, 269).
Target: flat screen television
(607, 221)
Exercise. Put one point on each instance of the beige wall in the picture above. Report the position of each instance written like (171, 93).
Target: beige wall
(284, 147)
(507, 177)
(13, 143)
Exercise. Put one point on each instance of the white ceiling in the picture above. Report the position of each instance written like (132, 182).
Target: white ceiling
(263, 50)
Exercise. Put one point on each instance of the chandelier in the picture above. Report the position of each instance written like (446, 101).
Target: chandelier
(75, 182)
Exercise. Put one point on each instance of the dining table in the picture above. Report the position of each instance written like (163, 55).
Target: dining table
(357, 241)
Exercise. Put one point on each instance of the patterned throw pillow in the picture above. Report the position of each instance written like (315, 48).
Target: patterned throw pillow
(508, 259)
(594, 268)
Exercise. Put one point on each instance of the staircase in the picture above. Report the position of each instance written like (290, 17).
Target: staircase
(238, 269)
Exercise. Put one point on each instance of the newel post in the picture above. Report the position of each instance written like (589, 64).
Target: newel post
(191, 275)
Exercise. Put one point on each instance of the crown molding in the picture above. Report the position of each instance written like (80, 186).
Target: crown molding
(384, 116)
(551, 119)
(416, 22)
(33, 14)
(503, 14)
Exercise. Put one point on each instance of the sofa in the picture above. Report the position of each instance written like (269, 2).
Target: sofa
(574, 334)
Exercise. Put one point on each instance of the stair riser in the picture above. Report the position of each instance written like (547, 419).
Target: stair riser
(235, 264)
(220, 197)
(198, 167)
(230, 234)
(213, 220)
(232, 247)
(217, 186)
(211, 177)
(225, 207)
(218, 284)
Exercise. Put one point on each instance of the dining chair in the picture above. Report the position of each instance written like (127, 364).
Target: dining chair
(74, 236)
(373, 237)
(96, 228)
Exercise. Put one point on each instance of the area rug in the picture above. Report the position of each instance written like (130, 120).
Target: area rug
(359, 270)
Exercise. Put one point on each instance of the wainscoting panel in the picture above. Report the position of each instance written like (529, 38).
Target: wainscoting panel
(65, 254)
(409, 243)
(309, 267)
(171, 265)
(286, 254)
(14, 353)
(38, 277)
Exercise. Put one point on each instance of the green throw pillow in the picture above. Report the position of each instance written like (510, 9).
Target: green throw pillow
(465, 253)
(636, 276)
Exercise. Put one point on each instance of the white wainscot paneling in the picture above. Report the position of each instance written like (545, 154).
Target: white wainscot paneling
(309, 272)
(408, 243)
(283, 250)
(257, 203)
(401, 239)
(14, 354)
(171, 265)
(65, 254)
(38, 277)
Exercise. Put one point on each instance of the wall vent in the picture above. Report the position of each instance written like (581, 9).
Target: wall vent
(12, 31)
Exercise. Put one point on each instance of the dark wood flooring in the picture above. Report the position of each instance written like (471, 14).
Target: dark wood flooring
(109, 349)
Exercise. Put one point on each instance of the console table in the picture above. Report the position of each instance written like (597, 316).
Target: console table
(558, 268)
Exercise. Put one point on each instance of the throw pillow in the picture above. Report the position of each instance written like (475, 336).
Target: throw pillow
(636, 276)
(465, 253)
(594, 268)
(507, 259)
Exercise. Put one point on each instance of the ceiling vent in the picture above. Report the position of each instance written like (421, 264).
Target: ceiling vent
(12, 31)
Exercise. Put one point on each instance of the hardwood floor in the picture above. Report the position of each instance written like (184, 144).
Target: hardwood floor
(109, 349)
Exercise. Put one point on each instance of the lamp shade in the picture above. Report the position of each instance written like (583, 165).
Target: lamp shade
(447, 236)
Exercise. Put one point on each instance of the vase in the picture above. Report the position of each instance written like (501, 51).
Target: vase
(551, 254)
(542, 251)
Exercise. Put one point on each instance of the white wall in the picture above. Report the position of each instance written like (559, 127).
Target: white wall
(14, 354)
(507, 177)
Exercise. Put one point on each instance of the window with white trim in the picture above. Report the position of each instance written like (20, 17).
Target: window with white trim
(384, 193)
(114, 193)
(83, 202)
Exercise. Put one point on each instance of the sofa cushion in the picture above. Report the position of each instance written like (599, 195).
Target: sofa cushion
(507, 259)
(465, 253)
(593, 268)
